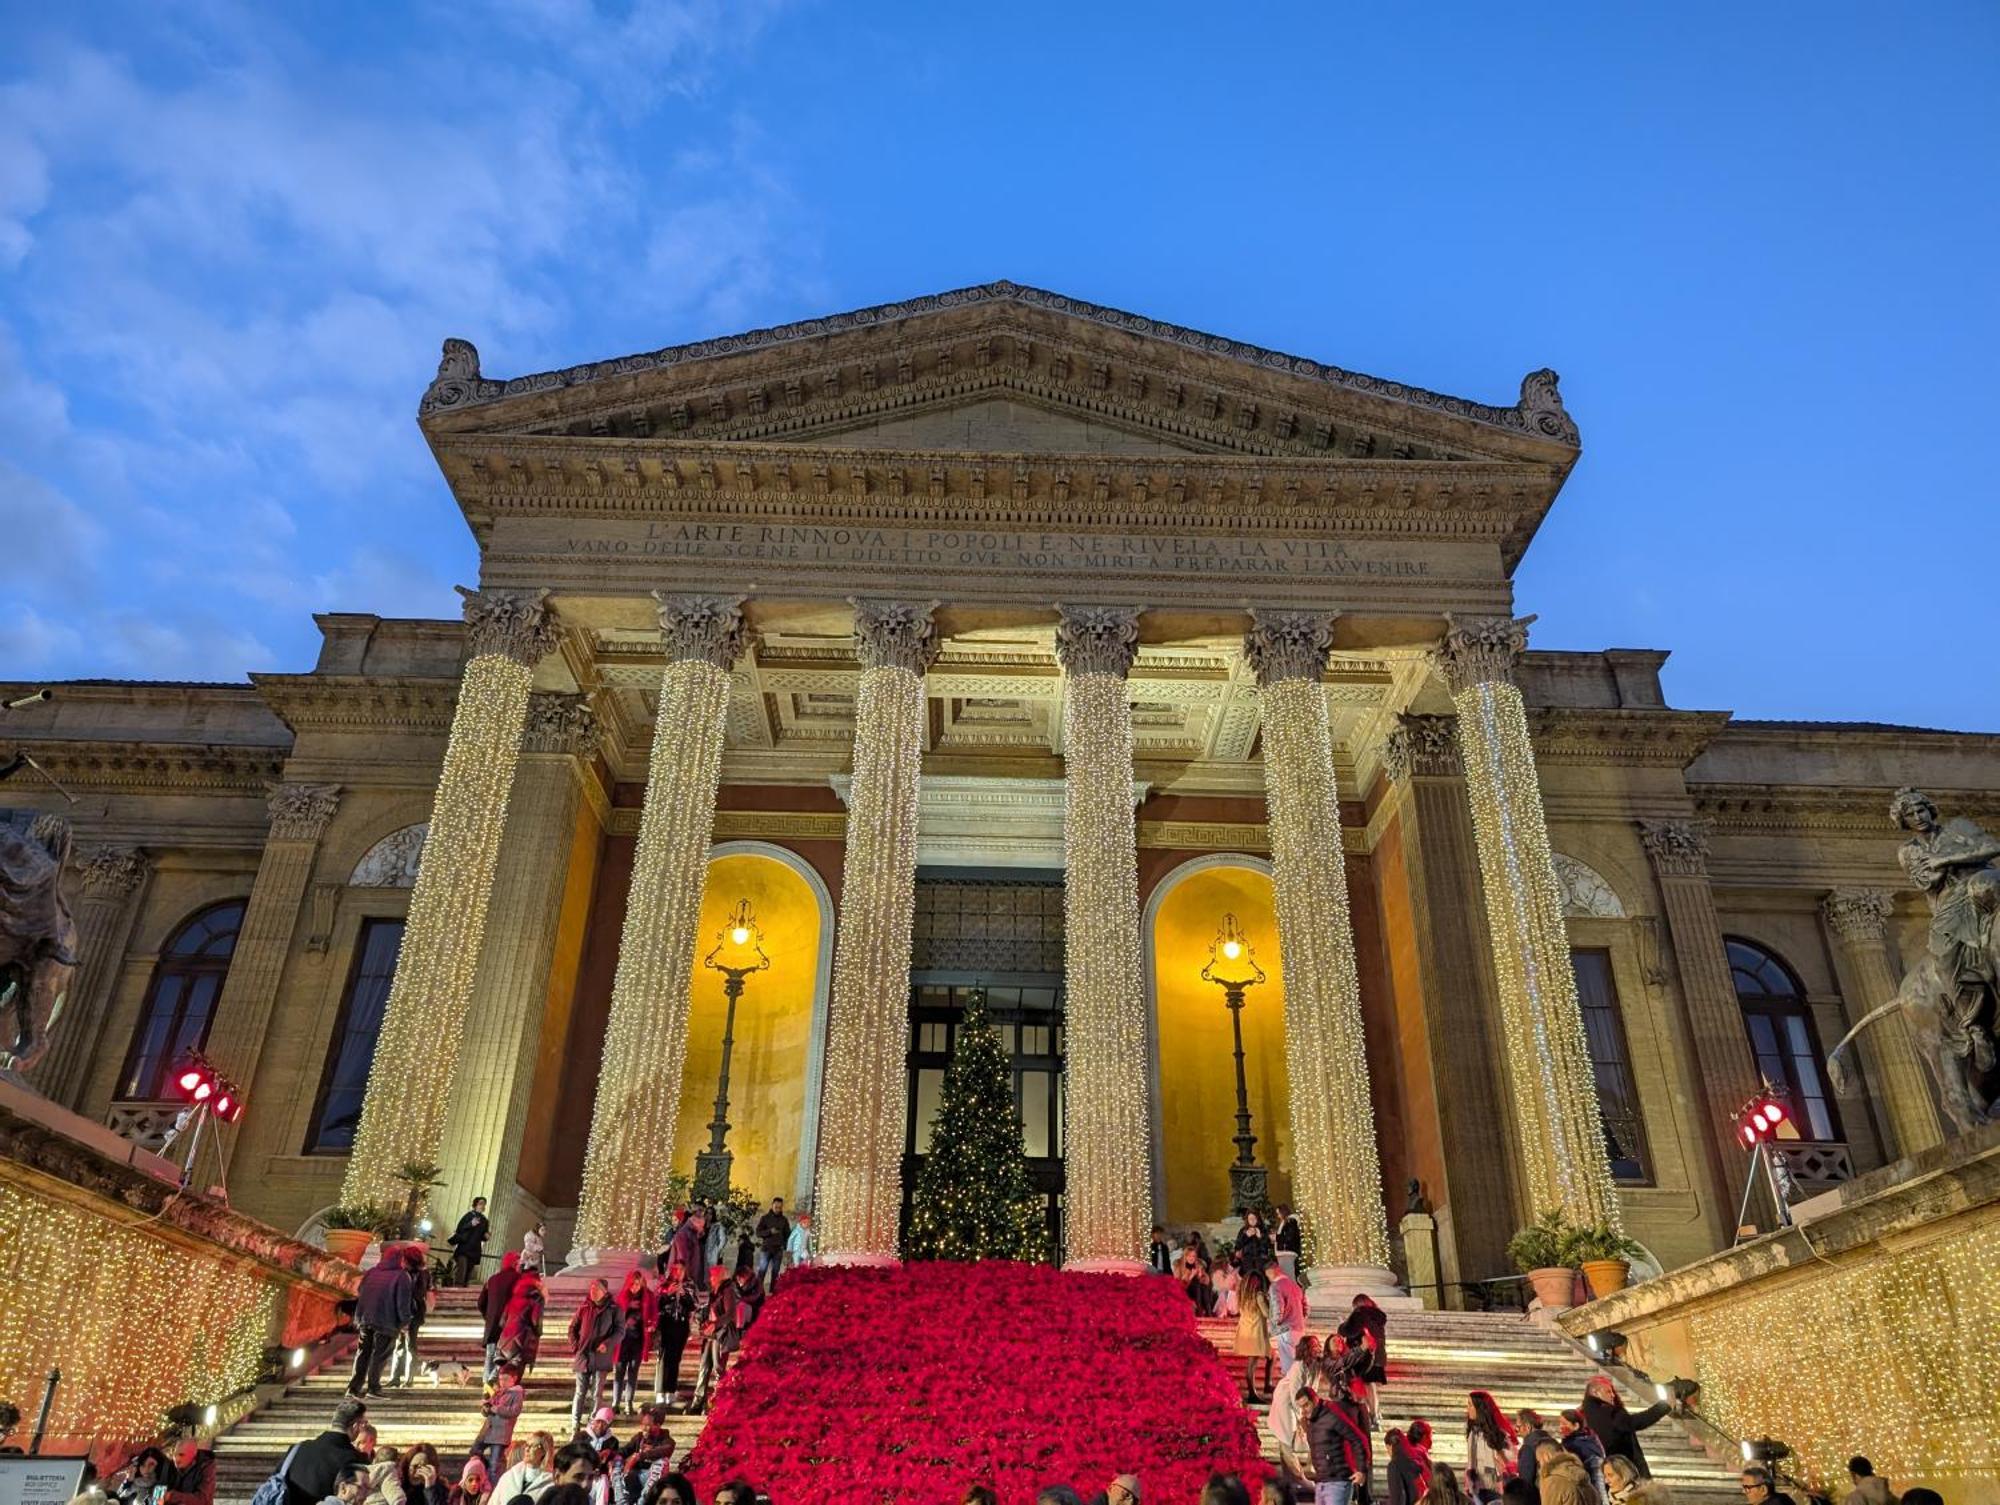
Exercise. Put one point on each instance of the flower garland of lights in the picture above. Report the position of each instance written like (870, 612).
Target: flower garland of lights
(1011, 1375)
(136, 1325)
(860, 1184)
(1336, 1170)
(1108, 1195)
(403, 1111)
(628, 1164)
(1556, 1107)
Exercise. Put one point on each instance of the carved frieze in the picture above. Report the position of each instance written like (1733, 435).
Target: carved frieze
(703, 627)
(393, 861)
(1481, 650)
(300, 812)
(1284, 645)
(1586, 894)
(1097, 639)
(514, 624)
(1679, 848)
(895, 634)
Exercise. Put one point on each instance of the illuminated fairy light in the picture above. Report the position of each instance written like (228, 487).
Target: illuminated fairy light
(1555, 1103)
(416, 1053)
(628, 1165)
(1336, 1171)
(859, 1197)
(1107, 1196)
(136, 1325)
(1929, 1316)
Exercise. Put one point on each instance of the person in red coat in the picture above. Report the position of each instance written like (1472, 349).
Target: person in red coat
(521, 1327)
(639, 1308)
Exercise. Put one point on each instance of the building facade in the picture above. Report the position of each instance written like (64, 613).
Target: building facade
(992, 640)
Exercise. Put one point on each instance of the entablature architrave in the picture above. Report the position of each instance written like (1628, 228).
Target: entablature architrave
(137, 767)
(360, 703)
(1777, 809)
(1567, 734)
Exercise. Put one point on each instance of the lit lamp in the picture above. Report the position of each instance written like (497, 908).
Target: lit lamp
(1232, 967)
(738, 951)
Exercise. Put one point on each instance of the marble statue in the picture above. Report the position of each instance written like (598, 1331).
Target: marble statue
(1951, 995)
(37, 937)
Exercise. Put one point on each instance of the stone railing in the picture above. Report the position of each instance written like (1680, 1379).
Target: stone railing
(146, 1124)
(1818, 1165)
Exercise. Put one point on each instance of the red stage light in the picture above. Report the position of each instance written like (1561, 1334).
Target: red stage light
(1776, 1112)
(222, 1106)
(190, 1079)
(202, 1091)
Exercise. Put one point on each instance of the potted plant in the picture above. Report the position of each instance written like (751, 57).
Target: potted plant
(1541, 1251)
(350, 1230)
(1605, 1256)
(418, 1176)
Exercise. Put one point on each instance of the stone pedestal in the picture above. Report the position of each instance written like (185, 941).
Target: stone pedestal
(1420, 1257)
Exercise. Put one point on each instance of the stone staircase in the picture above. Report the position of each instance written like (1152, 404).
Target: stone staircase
(445, 1414)
(1437, 1358)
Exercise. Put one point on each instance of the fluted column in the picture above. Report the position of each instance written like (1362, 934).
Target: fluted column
(630, 1157)
(1547, 1059)
(1858, 921)
(860, 1184)
(300, 814)
(108, 883)
(1476, 1203)
(1724, 1063)
(1336, 1172)
(1107, 1141)
(417, 1050)
(489, 1099)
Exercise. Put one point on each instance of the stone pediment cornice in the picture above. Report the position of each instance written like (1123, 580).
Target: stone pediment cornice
(155, 767)
(495, 475)
(1065, 343)
(1566, 734)
(354, 702)
(1771, 809)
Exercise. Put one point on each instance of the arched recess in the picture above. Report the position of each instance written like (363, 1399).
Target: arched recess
(1587, 893)
(1193, 1076)
(780, 1053)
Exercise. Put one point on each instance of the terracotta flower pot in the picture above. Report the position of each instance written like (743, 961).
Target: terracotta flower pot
(1606, 1275)
(348, 1243)
(1555, 1286)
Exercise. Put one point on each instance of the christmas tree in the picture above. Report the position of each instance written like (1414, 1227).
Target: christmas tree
(974, 1198)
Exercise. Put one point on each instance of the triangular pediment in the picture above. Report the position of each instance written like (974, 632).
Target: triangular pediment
(999, 368)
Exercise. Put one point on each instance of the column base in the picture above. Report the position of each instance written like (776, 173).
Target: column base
(586, 1264)
(1107, 1267)
(859, 1259)
(1333, 1288)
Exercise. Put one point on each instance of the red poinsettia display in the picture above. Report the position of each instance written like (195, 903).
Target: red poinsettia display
(902, 1386)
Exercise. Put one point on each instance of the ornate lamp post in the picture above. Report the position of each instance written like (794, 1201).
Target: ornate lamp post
(1230, 953)
(738, 951)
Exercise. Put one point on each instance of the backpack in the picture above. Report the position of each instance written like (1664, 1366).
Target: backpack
(274, 1489)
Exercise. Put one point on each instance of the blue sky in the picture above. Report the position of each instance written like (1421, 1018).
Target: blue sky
(1759, 242)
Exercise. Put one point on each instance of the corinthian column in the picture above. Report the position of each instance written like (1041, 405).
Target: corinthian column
(1858, 920)
(1723, 1062)
(1336, 1174)
(630, 1158)
(416, 1052)
(489, 1101)
(300, 814)
(1107, 1160)
(860, 1184)
(1563, 1158)
(107, 880)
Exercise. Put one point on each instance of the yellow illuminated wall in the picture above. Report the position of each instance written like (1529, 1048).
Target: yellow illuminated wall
(1197, 1089)
(767, 1073)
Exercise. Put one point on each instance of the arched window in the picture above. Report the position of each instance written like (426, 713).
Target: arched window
(1782, 1036)
(180, 1000)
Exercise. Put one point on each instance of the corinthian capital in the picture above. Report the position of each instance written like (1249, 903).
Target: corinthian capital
(1858, 916)
(300, 812)
(1285, 645)
(111, 872)
(514, 624)
(704, 627)
(895, 634)
(560, 723)
(1097, 639)
(1425, 746)
(1679, 848)
(1480, 650)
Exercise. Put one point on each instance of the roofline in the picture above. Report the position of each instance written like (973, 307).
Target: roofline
(1538, 413)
